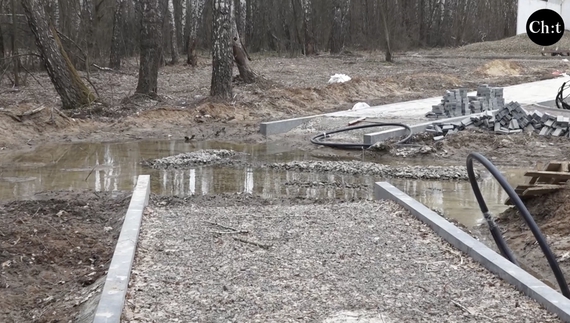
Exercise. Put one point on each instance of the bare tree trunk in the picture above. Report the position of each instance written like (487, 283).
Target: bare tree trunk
(172, 33)
(16, 62)
(240, 12)
(2, 50)
(151, 36)
(386, 36)
(308, 27)
(194, 18)
(116, 53)
(221, 86)
(240, 54)
(338, 32)
(62, 73)
(178, 11)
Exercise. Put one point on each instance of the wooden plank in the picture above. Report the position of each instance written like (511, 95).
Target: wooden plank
(553, 166)
(548, 174)
(534, 191)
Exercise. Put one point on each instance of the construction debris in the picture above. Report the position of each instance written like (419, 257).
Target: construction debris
(456, 102)
(510, 119)
(551, 178)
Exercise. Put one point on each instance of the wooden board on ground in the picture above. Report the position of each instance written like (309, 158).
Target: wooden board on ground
(551, 178)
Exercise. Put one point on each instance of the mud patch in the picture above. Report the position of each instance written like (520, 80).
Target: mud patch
(52, 249)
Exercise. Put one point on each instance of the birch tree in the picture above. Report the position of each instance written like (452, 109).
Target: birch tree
(339, 26)
(172, 33)
(221, 86)
(67, 82)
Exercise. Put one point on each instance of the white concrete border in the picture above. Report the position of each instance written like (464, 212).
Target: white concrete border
(112, 300)
(497, 264)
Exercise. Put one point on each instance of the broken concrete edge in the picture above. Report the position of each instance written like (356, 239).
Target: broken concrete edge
(372, 138)
(282, 126)
(110, 307)
(552, 300)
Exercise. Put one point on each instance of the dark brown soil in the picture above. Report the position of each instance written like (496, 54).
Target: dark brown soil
(552, 214)
(52, 248)
(517, 150)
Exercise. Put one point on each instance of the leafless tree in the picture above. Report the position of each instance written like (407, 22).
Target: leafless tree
(221, 86)
(172, 33)
(151, 36)
(194, 10)
(115, 56)
(240, 54)
(73, 92)
(339, 26)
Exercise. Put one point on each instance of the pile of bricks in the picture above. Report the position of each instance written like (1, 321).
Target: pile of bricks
(511, 119)
(456, 102)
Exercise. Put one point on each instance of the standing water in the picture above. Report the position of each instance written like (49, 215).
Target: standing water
(115, 166)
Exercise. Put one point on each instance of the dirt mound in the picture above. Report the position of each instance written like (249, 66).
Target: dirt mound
(52, 249)
(500, 67)
(516, 45)
(552, 214)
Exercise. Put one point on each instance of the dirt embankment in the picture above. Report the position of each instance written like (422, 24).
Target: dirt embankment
(52, 250)
(552, 215)
(516, 150)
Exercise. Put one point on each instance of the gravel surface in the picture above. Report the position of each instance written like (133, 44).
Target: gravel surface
(327, 262)
(200, 157)
(368, 168)
(231, 158)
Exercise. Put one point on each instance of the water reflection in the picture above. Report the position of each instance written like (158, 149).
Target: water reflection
(111, 167)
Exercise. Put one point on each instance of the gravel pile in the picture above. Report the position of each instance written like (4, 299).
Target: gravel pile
(200, 157)
(321, 184)
(309, 263)
(367, 168)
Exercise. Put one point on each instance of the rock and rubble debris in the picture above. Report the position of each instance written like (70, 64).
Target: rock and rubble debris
(368, 168)
(511, 119)
(456, 102)
(200, 157)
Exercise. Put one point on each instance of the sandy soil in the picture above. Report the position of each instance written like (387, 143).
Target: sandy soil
(52, 251)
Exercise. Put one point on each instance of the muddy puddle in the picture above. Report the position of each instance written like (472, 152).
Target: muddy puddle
(115, 166)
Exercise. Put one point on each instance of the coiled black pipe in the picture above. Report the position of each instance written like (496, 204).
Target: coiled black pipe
(561, 99)
(317, 139)
(499, 240)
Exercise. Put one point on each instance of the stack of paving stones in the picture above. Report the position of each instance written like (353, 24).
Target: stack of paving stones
(456, 102)
(511, 119)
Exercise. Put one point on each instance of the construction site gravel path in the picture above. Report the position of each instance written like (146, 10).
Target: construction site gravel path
(326, 262)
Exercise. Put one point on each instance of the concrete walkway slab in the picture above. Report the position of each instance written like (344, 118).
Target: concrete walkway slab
(525, 94)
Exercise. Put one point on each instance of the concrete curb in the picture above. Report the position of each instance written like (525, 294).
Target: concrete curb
(112, 299)
(552, 300)
(282, 126)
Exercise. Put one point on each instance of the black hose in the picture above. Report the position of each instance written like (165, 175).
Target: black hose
(495, 232)
(561, 99)
(317, 139)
